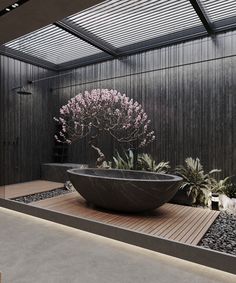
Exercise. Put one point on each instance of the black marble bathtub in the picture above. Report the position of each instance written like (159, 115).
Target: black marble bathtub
(124, 190)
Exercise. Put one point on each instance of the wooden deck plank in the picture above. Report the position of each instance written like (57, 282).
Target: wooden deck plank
(170, 224)
(167, 215)
(190, 223)
(61, 202)
(163, 218)
(198, 237)
(134, 221)
(180, 223)
(176, 235)
(204, 220)
(27, 188)
(171, 218)
(193, 229)
(194, 239)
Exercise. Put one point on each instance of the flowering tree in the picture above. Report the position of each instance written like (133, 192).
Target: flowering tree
(103, 110)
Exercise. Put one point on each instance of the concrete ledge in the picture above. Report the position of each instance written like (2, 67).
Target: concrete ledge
(56, 172)
(210, 258)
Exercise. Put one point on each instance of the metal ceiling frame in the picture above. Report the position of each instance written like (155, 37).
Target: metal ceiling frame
(197, 6)
(96, 58)
(164, 40)
(225, 24)
(15, 54)
(87, 36)
(109, 52)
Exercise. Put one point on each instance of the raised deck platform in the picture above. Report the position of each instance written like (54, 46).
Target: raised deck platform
(175, 222)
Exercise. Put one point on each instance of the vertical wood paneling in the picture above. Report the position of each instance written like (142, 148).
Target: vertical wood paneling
(25, 130)
(192, 107)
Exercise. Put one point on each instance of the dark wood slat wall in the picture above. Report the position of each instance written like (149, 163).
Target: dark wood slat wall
(25, 139)
(188, 90)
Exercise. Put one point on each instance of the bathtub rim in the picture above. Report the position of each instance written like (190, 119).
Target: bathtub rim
(172, 178)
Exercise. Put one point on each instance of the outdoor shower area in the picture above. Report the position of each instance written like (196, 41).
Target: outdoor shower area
(120, 120)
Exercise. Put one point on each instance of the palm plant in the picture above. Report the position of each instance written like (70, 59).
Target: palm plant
(146, 162)
(224, 186)
(195, 181)
(219, 186)
(125, 163)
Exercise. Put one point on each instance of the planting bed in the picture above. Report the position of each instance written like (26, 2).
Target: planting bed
(222, 234)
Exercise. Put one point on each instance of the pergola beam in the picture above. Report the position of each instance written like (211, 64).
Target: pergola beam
(225, 24)
(161, 41)
(92, 59)
(110, 52)
(27, 58)
(87, 36)
(202, 16)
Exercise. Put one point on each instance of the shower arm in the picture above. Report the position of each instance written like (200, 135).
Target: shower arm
(48, 78)
(29, 82)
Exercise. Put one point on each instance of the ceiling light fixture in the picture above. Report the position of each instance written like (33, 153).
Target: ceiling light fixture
(12, 7)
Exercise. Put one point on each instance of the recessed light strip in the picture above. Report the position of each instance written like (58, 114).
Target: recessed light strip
(12, 7)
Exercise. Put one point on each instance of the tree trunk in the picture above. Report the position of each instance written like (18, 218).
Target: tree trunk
(101, 156)
(135, 152)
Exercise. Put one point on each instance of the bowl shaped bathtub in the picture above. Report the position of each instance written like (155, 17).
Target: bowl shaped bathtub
(124, 190)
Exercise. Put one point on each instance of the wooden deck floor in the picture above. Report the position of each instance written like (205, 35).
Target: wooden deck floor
(179, 223)
(27, 188)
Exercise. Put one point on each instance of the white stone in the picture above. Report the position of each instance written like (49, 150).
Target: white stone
(227, 203)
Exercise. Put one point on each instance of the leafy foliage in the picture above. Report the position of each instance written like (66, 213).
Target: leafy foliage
(145, 162)
(230, 190)
(224, 186)
(124, 163)
(196, 181)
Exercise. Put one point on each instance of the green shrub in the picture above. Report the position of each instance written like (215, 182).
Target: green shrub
(230, 190)
(195, 181)
(125, 163)
(224, 186)
(144, 162)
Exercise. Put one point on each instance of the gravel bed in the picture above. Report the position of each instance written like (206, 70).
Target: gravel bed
(42, 195)
(222, 234)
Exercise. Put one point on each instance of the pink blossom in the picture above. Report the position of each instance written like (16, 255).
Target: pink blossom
(104, 110)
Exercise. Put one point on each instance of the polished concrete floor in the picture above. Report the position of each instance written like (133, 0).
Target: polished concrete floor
(34, 250)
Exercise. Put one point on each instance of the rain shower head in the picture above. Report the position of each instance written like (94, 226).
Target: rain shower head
(24, 92)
